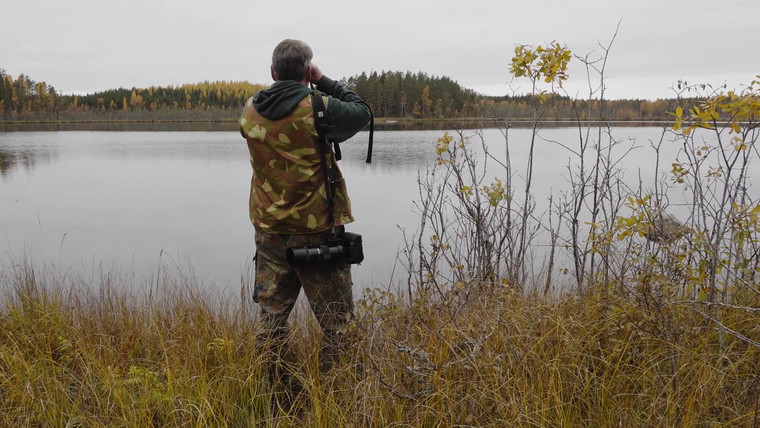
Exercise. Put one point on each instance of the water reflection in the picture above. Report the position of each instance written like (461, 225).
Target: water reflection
(142, 199)
(138, 199)
(232, 126)
(471, 124)
(121, 126)
(12, 158)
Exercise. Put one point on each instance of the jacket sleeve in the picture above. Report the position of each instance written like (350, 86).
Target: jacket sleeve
(348, 112)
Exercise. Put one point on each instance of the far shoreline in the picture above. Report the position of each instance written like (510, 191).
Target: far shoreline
(381, 124)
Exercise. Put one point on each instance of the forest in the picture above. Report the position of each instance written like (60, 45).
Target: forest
(391, 94)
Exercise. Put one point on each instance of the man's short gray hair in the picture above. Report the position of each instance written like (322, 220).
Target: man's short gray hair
(291, 59)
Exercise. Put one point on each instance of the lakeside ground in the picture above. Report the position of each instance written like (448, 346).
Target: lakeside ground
(79, 352)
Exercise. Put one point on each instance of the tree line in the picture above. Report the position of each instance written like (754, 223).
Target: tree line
(402, 95)
(391, 94)
(22, 98)
(23, 95)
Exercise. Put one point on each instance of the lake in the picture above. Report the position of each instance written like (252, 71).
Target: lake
(139, 202)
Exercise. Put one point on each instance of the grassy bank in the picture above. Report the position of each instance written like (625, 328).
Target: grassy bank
(76, 353)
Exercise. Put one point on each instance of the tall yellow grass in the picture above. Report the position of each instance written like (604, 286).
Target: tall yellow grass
(91, 354)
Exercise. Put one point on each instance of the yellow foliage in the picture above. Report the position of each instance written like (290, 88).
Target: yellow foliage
(738, 112)
(548, 64)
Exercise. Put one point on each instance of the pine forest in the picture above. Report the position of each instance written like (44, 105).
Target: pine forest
(397, 95)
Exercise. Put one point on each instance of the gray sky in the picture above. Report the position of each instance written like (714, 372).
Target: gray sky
(85, 46)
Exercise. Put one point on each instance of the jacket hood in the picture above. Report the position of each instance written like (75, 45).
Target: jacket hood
(280, 99)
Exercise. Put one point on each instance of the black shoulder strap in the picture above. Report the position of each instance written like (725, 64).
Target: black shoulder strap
(322, 120)
(371, 132)
(323, 124)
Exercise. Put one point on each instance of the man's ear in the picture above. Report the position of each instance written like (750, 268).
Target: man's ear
(274, 75)
(307, 78)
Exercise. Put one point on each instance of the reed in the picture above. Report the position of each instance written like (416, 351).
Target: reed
(91, 354)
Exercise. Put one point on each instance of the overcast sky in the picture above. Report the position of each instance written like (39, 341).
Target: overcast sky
(85, 46)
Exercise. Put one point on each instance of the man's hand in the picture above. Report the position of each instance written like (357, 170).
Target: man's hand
(315, 74)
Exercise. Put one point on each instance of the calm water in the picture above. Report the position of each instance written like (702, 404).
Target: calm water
(138, 202)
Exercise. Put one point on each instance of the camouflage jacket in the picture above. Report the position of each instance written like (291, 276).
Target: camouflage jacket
(287, 188)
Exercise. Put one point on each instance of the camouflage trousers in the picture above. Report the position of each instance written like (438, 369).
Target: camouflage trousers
(327, 288)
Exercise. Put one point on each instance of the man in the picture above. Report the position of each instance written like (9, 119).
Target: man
(288, 203)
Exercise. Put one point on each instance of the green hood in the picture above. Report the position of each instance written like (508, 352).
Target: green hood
(280, 99)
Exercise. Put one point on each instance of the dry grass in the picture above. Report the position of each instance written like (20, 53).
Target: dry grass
(88, 354)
